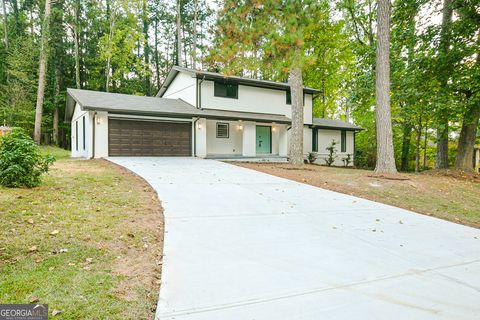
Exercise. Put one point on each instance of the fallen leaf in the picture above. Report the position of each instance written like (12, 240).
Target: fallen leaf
(88, 260)
(34, 299)
(32, 248)
(30, 221)
(400, 221)
(51, 268)
(71, 264)
(55, 312)
(54, 232)
(63, 250)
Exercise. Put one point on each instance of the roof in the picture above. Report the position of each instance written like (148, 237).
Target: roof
(218, 76)
(334, 124)
(152, 106)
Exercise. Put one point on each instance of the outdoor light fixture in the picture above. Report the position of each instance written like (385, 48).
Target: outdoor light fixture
(240, 127)
(199, 126)
(98, 119)
(273, 128)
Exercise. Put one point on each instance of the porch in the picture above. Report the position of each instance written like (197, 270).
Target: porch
(240, 140)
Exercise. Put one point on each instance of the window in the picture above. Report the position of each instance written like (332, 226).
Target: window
(83, 132)
(344, 141)
(315, 140)
(76, 135)
(289, 97)
(226, 90)
(222, 130)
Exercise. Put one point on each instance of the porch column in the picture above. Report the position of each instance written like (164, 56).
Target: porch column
(249, 138)
(282, 141)
(201, 137)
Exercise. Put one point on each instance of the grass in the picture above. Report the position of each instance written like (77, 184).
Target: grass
(88, 242)
(451, 196)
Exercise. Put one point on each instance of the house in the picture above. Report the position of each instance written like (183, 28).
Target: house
(201, 114)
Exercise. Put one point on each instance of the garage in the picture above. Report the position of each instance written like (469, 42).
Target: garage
(128, 137)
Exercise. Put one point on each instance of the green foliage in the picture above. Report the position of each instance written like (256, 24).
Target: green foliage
(312, 156)
(332, 153)
(21, 161)
(347, 160)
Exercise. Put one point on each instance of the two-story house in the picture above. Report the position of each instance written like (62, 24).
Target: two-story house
(202, 114)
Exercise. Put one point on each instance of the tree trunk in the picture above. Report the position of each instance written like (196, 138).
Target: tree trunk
(179, 35)
(146, 49)
(385, 155)
(109, 56)
(425, 142)
(407, 135)
(41, 73)
(194, 49)
(442, 127)
(157, 58)
(418, 141)
(296, 132)
(5, 24)
(76, 39)
(466, 142)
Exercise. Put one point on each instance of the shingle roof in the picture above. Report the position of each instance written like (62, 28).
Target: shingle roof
(334, 124)
(214, 76)
(152, 106)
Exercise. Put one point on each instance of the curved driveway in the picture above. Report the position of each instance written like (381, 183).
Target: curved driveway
(241, 244)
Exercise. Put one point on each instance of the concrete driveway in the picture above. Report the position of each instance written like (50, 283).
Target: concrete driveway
(241, 244)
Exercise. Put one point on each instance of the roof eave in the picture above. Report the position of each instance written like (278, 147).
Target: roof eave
(336, 127)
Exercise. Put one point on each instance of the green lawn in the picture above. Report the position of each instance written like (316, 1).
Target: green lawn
(88, 242)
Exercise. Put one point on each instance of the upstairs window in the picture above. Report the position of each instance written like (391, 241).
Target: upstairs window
(225, 90)
(344, 141)
(222, 130)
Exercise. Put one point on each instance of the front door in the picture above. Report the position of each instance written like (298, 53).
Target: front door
(264, 140)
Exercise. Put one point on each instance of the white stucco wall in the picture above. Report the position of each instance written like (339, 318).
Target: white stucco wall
(201, 138)
(182, 87)
(249, 139)
(100, 121)
(224, 146)
(78, 151)
(253, 99)
(325, 137)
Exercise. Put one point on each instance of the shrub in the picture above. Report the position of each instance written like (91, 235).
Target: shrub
(347, 160)
(312, 156)
(332, 153)
(21, 162)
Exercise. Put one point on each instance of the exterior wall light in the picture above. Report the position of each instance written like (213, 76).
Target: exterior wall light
(199, 126)
(99, 120)
(240, 127)
(274, 128)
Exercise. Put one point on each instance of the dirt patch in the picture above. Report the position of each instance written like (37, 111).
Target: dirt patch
(449, 195)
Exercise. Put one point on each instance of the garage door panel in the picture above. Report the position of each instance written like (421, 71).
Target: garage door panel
(147, 138)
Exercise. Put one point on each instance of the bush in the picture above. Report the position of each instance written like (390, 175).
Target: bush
(332, 153)
(21, 162)
(347, 160)
(312, 156)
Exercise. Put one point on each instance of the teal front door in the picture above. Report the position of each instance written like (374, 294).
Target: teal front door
(264, 139)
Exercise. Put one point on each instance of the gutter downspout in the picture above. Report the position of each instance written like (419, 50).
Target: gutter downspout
(199, 92)
(195, 137)
(93, 135)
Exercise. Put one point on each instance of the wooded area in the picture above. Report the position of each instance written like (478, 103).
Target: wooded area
(129, 46)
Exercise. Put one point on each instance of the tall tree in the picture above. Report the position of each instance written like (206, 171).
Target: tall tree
(385, 155)
(42, 73)
(443, 117)
(279, 27)
(5, 24)
(179, 33)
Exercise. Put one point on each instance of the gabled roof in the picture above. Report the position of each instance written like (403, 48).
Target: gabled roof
(334, 124)
(151, 106)
(218, 76)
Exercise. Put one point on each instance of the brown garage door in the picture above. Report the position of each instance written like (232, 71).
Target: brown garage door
(148, 138)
